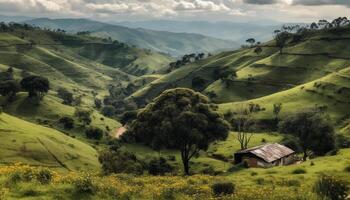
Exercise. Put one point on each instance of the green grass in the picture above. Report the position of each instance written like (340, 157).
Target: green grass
(33, 144)
(270, 71)
(218, 156)
(50, 110)
(330, 165)
(308, 96)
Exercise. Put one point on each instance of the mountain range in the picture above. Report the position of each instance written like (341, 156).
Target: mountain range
(235, 31)
(175, 44)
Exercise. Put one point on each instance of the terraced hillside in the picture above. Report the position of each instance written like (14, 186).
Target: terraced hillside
(76, 59)
(318, 60)
(37, 145)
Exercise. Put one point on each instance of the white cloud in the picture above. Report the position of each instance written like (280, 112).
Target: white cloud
(286, 10)
(200, 5)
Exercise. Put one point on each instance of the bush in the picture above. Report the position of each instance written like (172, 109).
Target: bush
(44, 176)
(68, 122)
(108, 111)
(295, 183)
(254, 173)
(331, 188)
(299, 171)
(83, 115)
(223, 188)
(119, 161)
(94, 133)
(159, 166)
(65, 95)
(208, 170)
(347, 169)
(84, 185)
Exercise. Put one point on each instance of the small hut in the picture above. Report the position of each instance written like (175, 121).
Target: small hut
(119, 132)
(267, 155)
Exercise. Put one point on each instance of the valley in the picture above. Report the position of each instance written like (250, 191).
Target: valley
(65, 94)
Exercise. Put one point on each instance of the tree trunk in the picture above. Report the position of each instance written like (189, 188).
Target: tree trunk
(305, 156)
(186, 167)
(185, 161)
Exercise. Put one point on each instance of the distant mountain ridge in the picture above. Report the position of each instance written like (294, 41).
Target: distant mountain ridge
(175, 44)
(235, 31)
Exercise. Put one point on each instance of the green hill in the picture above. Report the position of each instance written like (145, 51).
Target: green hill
(33, 144)
(76, 59)
(312, 72)
(161, 41)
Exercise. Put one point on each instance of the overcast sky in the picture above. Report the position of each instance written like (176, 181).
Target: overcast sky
(211, 10)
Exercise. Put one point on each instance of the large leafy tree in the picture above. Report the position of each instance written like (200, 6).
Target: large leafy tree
(179, 119)
(9, 88)
(313, 129)
(281, 39)
(35, 85)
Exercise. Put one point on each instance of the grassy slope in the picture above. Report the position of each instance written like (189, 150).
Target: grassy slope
(33, 144)
(275, 78)
(271, 72)
(50, 110)
(332, 91)
(130, 60)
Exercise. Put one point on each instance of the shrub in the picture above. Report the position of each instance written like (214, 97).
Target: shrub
(14, 178)
(347, 169)
(159, 166)
(65, 95)
(84, 185)
(94, 133)
(171, 158)
(208, 170)
(260, 181)
(44, 176)
(108, 111)
(331, 188)
(118, 161)
(68, 122)
(223, 188)
(295, 183)
(254, 173)
(299, 171)
(83, 115)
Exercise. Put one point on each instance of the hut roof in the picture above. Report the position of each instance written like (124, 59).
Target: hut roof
(120, 131)
(269, 152)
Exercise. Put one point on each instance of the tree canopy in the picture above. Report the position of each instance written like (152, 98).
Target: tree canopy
(179, 119)
(9, 88)
(313, 129)
(35, 85)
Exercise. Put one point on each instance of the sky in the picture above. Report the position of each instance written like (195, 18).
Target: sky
(187, 10)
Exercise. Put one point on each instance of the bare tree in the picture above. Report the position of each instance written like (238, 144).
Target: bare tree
(243, 121)
(277, 107)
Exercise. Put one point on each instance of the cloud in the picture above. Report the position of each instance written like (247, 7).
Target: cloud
(261, 2)
(290, 10)
(200, 5)
(321, 2)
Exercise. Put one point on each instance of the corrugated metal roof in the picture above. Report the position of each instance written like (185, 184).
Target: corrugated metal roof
(120, 131)
(269, 152)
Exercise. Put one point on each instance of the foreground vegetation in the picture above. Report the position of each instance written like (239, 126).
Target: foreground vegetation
(68, 131)
(22, 181)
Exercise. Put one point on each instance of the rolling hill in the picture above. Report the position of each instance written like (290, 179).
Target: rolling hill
(37, 145)
(175, 44)
(80, 54)
(312, 71)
